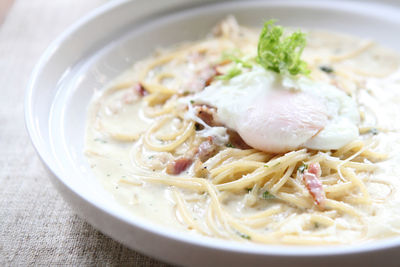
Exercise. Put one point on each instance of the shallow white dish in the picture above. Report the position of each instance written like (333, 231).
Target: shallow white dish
(109, 40)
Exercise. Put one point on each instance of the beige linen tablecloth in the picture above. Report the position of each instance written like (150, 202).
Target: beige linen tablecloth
(36, 226)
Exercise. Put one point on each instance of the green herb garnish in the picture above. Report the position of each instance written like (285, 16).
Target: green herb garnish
(243, 235)
(267, 195)
(326, 69)
(237, 67)
(302, 168)
(235, 71)
(236, 59)
(230, 145)
(280, 53)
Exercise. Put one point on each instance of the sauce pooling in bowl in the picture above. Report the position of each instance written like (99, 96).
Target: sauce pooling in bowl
(207, 138)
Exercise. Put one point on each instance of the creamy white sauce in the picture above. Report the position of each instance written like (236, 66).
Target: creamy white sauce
(112, 160)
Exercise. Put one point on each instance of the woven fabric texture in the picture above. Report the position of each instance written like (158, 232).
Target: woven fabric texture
(36, 226)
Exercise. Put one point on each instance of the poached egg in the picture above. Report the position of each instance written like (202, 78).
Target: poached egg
(277, 113)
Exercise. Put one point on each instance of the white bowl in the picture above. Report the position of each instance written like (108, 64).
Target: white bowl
(109, 40)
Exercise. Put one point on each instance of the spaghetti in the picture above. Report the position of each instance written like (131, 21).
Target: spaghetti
(225, 191)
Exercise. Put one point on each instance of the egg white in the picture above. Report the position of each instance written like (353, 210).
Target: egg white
(235, 98)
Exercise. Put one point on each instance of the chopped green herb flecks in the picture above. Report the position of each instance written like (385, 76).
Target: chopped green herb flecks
(236, 59)
(230, 145)
(267, 195)
(191, 101)
(235, 71)
(244, 236)
(302, 168)
(238, 66)
(374, 131)
(326, 69)
(280, 53)
(100, 140)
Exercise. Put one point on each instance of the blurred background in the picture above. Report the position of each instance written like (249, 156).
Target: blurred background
(36, 226)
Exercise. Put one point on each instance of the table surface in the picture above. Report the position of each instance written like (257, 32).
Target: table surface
(37, 227)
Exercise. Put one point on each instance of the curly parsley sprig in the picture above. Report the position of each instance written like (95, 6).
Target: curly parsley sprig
(237, 67)
(280, 53)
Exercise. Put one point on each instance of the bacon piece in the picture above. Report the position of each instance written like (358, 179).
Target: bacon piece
(313, 184)
(178, 166)
(212, 73)
(132, 95)
(198, 154)
(236, 141)
(202, 79)
(207, 75)
(206, 113)
(140, 90)
(315, 169)
(207, 149)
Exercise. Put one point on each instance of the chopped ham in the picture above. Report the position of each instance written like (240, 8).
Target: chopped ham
(178, 166)
(313, 184)
(315, 169)
(207, 149)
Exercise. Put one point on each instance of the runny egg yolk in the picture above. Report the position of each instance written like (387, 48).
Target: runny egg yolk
(278, 114)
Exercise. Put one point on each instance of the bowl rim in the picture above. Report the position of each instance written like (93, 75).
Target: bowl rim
(223, 245)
